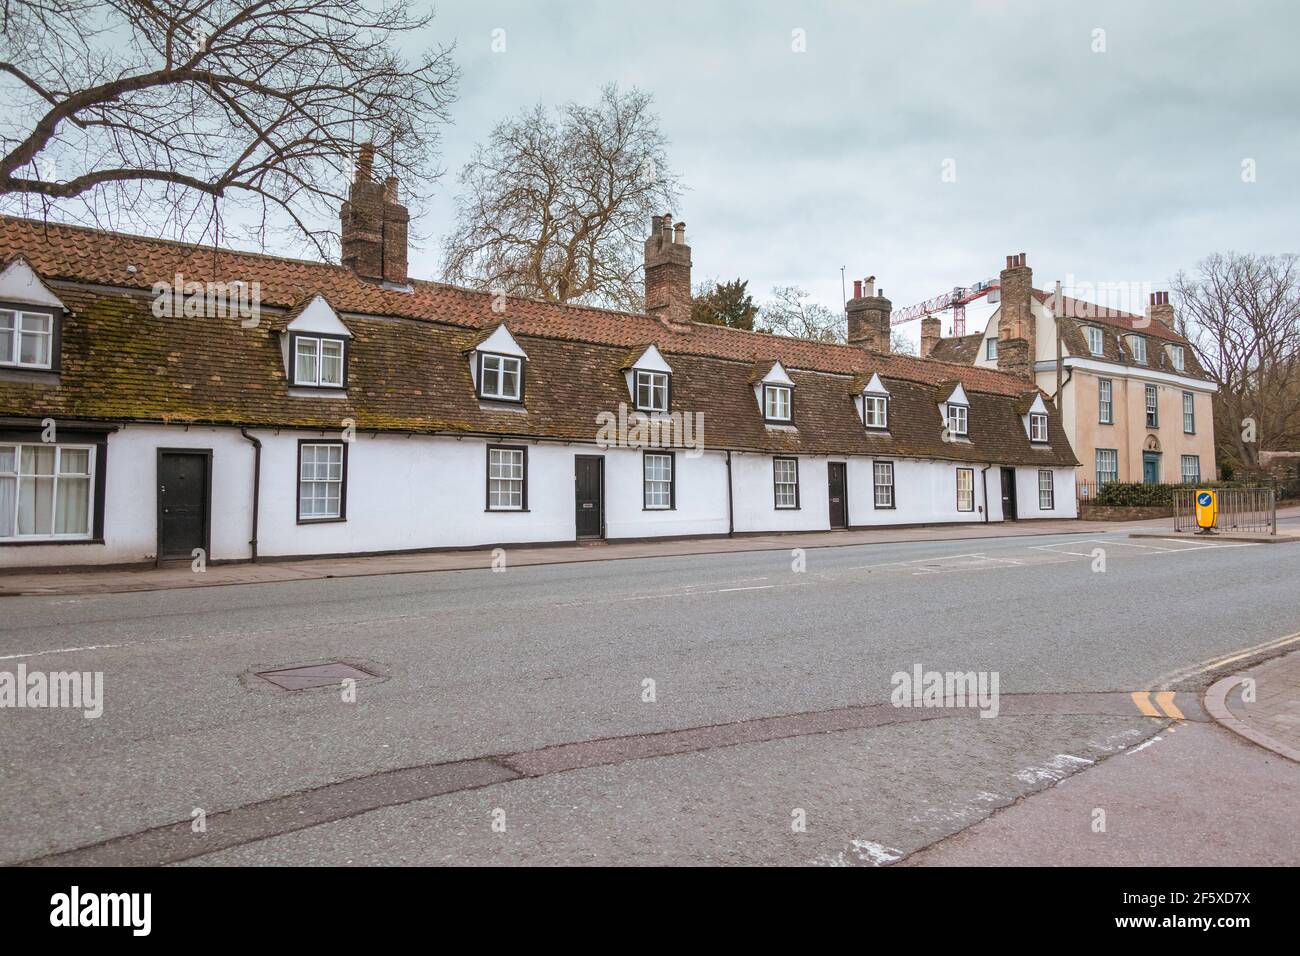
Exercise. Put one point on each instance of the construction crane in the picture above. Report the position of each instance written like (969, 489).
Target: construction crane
(955, 299)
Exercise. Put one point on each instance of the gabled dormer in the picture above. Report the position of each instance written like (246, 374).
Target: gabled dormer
(954, 407)
(497, 365)
(774, 392)
(872, 401)
(31, 320)
(315, 344)
(1034, 417)
(649, 380)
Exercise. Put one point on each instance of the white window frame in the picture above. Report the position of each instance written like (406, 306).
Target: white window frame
(1096, 339)
(785, 487)
(990, 349)
(1177, 358)
(882, 480)
(1183, 472)
(657, 387)
(968, 493)
(1038, 426)
(1189, 413)
(874, 403)
(318, 363)
(16, 334)
(1046, 486)
(1137, 345)
(500, 371)
(1151, 404)
(658, 486)
(1105, 401)
(773, 392)
(17, 476)
(1111, 456)
(339, 512)
(958, 419)
(507, 478)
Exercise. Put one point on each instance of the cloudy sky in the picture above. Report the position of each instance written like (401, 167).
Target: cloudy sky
(1118, 166)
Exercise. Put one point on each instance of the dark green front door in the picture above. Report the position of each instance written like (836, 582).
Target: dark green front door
(1151, 467)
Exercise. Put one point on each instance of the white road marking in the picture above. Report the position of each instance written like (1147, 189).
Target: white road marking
(1172, 677)
(756, 587)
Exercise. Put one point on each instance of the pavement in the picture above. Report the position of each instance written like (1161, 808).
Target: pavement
(114, 580)
(716, 708)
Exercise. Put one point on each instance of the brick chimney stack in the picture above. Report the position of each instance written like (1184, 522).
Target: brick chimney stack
(1160, 310)
(1016, 335)
(931, 332)
(668, 272)
(374, 225)
(868, 316)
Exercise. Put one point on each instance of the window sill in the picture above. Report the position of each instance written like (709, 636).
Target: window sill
(673, 508)
(506, 511)
(317, 391)
(322, 520)
(27, 542)
(788, 508)
(877, 507)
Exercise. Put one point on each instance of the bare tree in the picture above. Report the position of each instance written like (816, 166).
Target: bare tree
(137, 111)
(1242, 315)
(790, 312)
(554, 206)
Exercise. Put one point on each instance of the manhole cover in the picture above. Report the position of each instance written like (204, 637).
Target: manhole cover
(314, 675)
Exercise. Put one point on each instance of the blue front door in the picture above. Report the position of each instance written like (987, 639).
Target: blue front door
(1150, 468)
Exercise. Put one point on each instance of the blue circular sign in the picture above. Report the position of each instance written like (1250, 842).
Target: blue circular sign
(1204, 499)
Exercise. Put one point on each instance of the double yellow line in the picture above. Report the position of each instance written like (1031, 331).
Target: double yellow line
(1163, 707)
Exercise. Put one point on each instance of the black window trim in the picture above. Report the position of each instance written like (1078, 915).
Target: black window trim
(798, 503)
(672, 478)
(56, 337)
(960, 509)
(22, 435)
(487, 478)
(523, 377)
(294, 336)
(343, 485)
(778, 421)
(893, 485)
(636, 391)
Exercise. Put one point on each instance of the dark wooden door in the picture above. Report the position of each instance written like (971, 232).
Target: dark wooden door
(1009, 494)
(839, 500)
(183, 493)
(590, 500)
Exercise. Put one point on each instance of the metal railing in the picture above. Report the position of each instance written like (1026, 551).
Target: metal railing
(1240, 509)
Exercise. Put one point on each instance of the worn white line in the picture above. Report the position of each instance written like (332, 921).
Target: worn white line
(756, 587)
(1172, 677)
(88, 647)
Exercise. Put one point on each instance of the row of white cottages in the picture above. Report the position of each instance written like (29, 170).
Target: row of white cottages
(349, 417)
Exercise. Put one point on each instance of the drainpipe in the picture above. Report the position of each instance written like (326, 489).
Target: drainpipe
(984, 480)
(731, 517)
(257, 486)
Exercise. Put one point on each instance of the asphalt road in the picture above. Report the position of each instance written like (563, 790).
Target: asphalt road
(475, 664)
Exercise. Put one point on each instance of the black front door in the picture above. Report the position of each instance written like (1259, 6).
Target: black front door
(588, 474)
(183, 492)
(839, 502)
(1009, 494)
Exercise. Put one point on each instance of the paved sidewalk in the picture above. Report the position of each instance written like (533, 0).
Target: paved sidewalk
(92, 581)
(1271, 715)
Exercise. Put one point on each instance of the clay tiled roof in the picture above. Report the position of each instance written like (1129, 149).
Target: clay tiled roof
(407, 371)
(962, 350)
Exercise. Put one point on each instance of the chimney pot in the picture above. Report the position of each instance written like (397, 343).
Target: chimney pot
(857, 288)
(668, 272)
(679, 233)
(365, 162)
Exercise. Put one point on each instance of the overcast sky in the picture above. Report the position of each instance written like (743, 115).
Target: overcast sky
(1122, 165)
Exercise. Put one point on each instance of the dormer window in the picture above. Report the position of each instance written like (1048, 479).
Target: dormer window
(958, 418)
(652, 391)
(319, 361)
(500, 377)
(1096, 339)
(1037, 427)
(26, 338)
(777, 402)
(875, 411)
(1176, 358)
(1138, 346)
(991, 349)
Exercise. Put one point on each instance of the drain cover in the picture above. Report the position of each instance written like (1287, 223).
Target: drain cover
(314, 675)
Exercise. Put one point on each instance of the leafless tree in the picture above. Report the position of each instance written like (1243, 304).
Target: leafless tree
(555, 204)
(168, 114)
(791, 312)
(1242, 316)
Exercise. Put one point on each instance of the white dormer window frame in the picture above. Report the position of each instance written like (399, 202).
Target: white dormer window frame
(1038, 427)
(875, 411)
(1137, 345)
(327, 356)
(778, 403)
(652, 390)
(1096, 339)
(1177, 358)
(28, 337)
(958, 419)
(500, 377)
